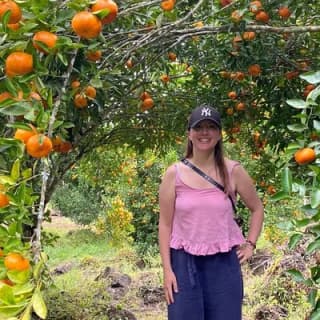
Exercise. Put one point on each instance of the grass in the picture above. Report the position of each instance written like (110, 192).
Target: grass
(77, 294)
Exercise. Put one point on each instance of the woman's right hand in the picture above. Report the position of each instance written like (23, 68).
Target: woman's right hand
(170, 285)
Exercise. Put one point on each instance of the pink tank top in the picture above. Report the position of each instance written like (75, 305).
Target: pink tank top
(203, 221)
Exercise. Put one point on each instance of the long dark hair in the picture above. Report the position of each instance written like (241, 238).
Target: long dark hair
(219, 160)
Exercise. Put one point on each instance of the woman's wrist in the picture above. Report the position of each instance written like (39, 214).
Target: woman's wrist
(251, 243)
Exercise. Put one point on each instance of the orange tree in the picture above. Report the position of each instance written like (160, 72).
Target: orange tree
(243, 57)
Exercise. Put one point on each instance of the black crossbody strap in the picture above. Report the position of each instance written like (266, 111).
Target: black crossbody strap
(208, 178)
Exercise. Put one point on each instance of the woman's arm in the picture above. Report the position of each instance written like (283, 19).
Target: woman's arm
(248, 194)
(167, 202)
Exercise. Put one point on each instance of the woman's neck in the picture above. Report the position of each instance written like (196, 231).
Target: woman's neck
(203, 160)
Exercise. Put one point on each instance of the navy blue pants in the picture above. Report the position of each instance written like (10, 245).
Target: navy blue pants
(210, 287)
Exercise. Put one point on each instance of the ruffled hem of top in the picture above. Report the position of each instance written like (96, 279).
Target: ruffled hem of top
(201, 249)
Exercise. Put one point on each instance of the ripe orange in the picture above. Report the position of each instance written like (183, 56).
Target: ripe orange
(254, 70)
(167, 5)
(165, 78)
(232, 95)
(4, 200)
(305, 156)
(13, 26)
(249, 35)
(90, 92)
(80, 101)
(284, 12)
(262, 16)
(147, 104)
(25, 135)
(230, 111)
(15, 261)
(109, 5)
(11, 6)
(144, 95)
(224, 3)
(60, 145)
(224, 74)
(75, 84)
(307, 89)
(39, 146)
(172, 56)
(271, 190)
(18, 63)
(4, 96)
(239, 76)
(129, 63)
(7, 282)
(291, 74)
(45, 37)
(236, 16)
(240, 106)
(86, 25)
(94, 55)
(255, 6)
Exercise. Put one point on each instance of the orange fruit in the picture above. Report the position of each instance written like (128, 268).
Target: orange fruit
(307, 89)
(39, 146)
(45, 37)
(305, 156)
(284, 12)
(254, 70)
(239, 76)
(230, 111)
(13, 26)
(236, 16)
(147, 103)
(232, 95)
(109, 5)
(240, 106)
(18, 63)
(165, 78)
(271, 190)
(80, 101)
(25, 135)
(291, 74)
(129, 63)
(224, 3)
(86, 25)
(90, 92)
(4, 96)
(14, 9)
(172, 56)
(8, 282)
(167, 5)
(4, 200)
(224, 74)
(144, 95)
(75, 84)
(255, 6)
(60, 145)
(15, 261)
(94, 55)
(262, 16)
(249, 35)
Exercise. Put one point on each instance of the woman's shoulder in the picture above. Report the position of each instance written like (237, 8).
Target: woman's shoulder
(231, 164)
(171, 171)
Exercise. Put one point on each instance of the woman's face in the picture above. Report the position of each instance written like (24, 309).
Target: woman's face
(204, 135)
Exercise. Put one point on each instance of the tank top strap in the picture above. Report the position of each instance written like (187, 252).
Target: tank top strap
(178, 177)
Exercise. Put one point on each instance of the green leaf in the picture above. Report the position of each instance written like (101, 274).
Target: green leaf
(39, 306)
(296, 127)
(312, 297)
(27, 313)
(7, 180)
(280, 196)
(26, 174)
(314, 94)
(20, 277)
(316, 125)
(311, 77)
(315, 315)
(286, 181)
(294, 239)
(23, 289)
(313, 246)
(15, 170)
(296, 275)
(297, 103)
(315, 198)
(6, 294)
(18, 109)
(12, 310)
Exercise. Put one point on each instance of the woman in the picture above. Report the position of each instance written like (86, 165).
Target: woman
(201, 245)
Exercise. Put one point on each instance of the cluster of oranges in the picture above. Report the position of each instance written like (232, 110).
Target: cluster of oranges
(88, 25)
(4, 199)
(147, 101)
(82, 95)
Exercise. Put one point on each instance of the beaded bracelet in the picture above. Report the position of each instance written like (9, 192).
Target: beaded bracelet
(252, 244)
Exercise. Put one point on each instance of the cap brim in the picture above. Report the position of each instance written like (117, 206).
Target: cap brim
(198, 121)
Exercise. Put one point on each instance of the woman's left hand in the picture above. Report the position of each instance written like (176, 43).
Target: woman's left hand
(245, 252)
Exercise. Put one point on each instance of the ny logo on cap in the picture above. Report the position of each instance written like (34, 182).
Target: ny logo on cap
(206, 112)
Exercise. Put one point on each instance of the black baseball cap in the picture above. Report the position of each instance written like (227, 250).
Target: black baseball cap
(204, 112)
